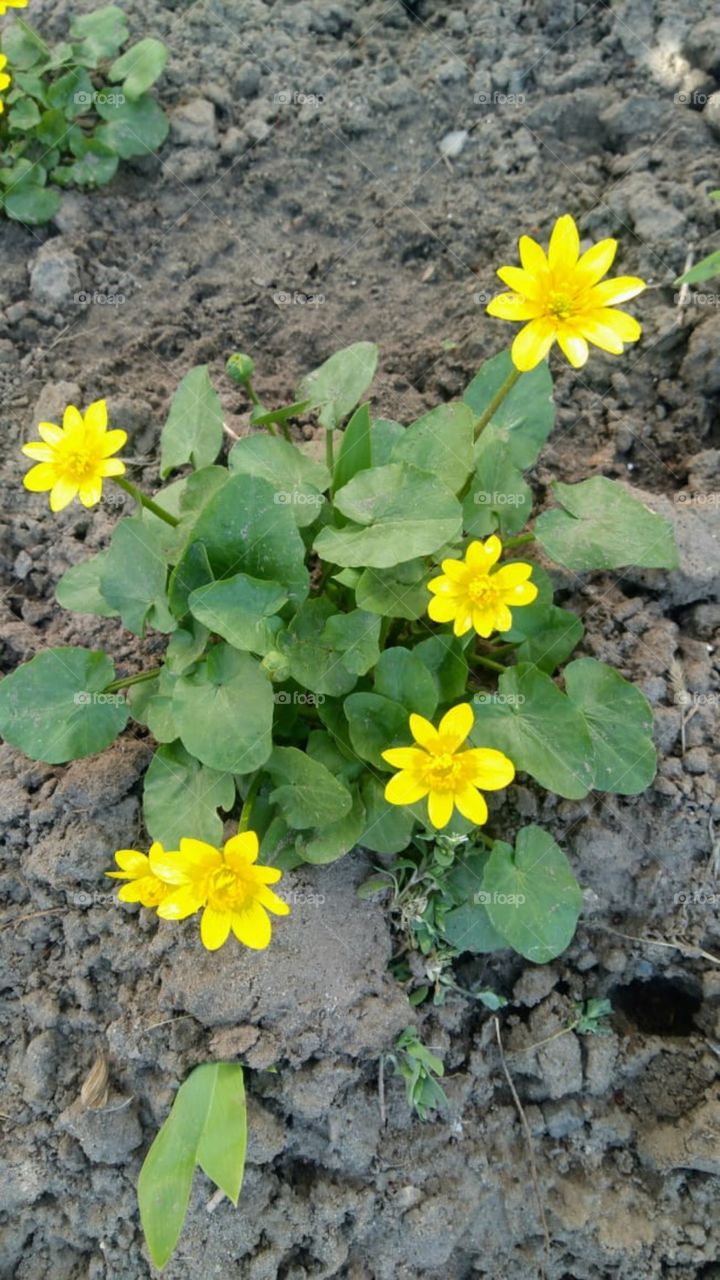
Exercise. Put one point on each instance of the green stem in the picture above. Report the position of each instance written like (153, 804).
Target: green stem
(144, 501)
(519, 541)
(330, 456)
(252, 392)
(478, 660)
(496, 401)
(30, 31)
(128, 680)
(249, 803)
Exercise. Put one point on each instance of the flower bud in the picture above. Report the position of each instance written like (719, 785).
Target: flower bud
(240, 367)
(276, 665)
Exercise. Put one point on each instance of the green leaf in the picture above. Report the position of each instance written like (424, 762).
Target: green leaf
(187, 644)
(199, 487)
(388, 827)
(53, 708)
(400, 592)
(31, 204)
(355, 451)
(402, 676)
(24, 115)
(31, 83)
(525, 418)
(193, 431)
(443, 655)
(326, 844)
(384, 435)
(604, 527)
(376, 723)
(355, 635)
(298, 481)
(79, 588)
(469, 928)
(440, 442)
(498, 497)
(620, 723)
(703, 270)
(192, 571)
(238, 609)
(552, 640)
(407, 512)
(244, 530)
(261, 417)
(305, 791)
(23, 47)
(53, 128)
(315, 662)
(133, 128)
(531, 895)
(206, 1126)
(134, 574)
(159, 715)
(102, 32)
(73, 93)
(224, 711)
(96, 164)
(181, 797)
(139, 66)
(539, 728)
(337, 385)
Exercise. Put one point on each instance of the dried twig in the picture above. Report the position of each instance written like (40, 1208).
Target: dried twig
(682, 298)
(529, 1143)
(674, 944)
(95, 1090)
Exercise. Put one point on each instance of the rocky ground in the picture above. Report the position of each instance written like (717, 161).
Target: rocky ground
(336, 172)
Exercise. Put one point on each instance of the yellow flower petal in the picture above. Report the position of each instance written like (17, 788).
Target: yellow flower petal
(510, 306)
(483, 555)
(50, 433)
(442, 609)
(62, 493)
(423, 732)
(596, 262)
(463, 622)
(405, 788)
(96, 417)
(456, 725)
(573, 347)
(404, 757)
(214, 928)
(612, 291)
(40, 478)
(242, 850)
(179, 904)
(532, 256)
(454, 570)
(510, 575)
(602, 335)
(503, 618)
(440, 808)
(252, 927)
(38, 452)
(167, 865)
(90, 493)
(112, 467)
(483, 621)
(196, 855)
(472, 805)
(623, 325)
(523, 593)
(111, 440)
(564, 245)
(521, 282)
(492, 769)
(131, 862)
(73, 419)
(532, 344)
(271, 901)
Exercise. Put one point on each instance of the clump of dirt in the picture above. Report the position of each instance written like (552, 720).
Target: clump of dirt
(310, 196)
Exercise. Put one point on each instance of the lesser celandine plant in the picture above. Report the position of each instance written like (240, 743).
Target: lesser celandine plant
(356, 653)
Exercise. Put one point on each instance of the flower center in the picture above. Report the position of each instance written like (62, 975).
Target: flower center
(481, 590)
(79, 464)
(443, 773)
(560, 305)
(225, 892)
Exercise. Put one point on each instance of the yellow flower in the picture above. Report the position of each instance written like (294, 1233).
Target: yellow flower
(11, 4)
(562, 298)
(4, 77)
(470, 593)
(450, 778)
(75, 458)
(227, 884)
(143, 887)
